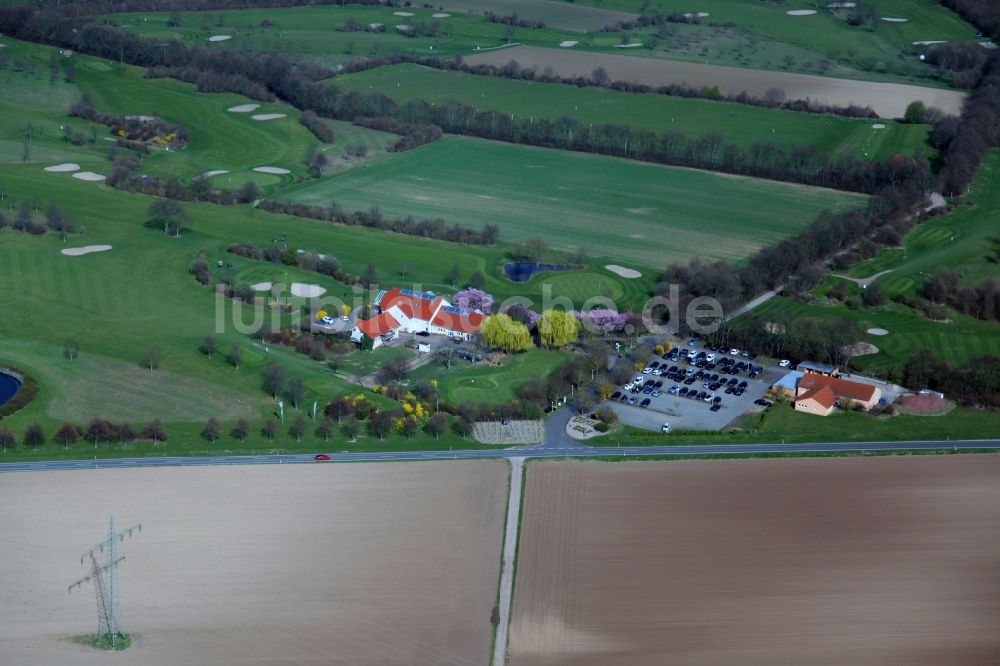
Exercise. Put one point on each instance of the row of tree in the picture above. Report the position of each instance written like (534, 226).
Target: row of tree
(981, 301)
(98, 431)
(26, 221)
(436, 228)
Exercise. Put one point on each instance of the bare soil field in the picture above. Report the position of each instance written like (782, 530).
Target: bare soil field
(862, 561)
(889, 100)
(271, 565)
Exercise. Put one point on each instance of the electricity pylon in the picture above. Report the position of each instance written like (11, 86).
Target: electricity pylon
(104, 575)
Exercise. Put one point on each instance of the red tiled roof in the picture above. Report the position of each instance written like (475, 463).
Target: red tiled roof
(421, 308)
(842, 388)
(468, 322)
(378, 325)
(823, 395)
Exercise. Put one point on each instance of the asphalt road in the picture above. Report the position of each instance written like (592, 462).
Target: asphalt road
(561, 449)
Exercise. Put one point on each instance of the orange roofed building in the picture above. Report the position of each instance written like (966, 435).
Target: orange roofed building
(819, 394)
(409, 311)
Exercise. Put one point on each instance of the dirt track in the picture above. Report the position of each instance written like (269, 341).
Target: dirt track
(889, 100)
(861, 561)
(390, 563)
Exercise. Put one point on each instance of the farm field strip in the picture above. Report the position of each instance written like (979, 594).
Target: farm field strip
(740, 124)
(639, 213)
(838, 560)
(889, 100)
(371, 563)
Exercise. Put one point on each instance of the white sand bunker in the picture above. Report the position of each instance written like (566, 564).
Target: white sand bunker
(628, 46)
(262, 286)
(568, 43)
(244, 108)
(842, 5)
(62, 168)
(275, 170)
(440, 15)
(621, 271)
(87, 249)
(894, 20)
(402, 13)
(696, 14)
(219, 38)
(930, 42)
(877, 331)
(801, 12)
(89, 176)
(209, 174)
(307, 290)
(861, 349)
(269, 116)
(878, 126)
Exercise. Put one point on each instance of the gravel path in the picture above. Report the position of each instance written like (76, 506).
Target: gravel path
(507, 562)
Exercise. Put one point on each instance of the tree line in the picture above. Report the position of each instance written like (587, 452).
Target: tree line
(975, 383)
(436, 228)
(981, 301)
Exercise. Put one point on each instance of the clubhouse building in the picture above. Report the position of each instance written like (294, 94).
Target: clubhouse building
(817, 389)
(408, 311)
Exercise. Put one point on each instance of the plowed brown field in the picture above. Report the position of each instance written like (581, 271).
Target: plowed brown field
(861, 561)
(392, 563)
(889, 100)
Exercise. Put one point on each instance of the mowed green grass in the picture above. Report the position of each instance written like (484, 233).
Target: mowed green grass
(766, 33)
(310, 33)
(738, 123)
(465, 383)
(641, 214)
(966, 241)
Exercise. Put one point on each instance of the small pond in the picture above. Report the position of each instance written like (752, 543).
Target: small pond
(522, 271)
(8, 387)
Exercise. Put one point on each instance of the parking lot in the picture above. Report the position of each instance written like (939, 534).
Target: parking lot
(685, 413)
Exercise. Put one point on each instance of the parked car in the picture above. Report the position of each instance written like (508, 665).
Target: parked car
(624, 397)
(692, 342)
(717, 399)
(616, 395)
(628, 387)
(716, 407)
(633, 400)
(683, 391)
(665, 427)
(784, 363)
(638, 380)
(710, 357)
(328, 321)
(734, 352)
(647, 370)
(645, 403)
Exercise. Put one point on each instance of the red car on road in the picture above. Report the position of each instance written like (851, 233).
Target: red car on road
(321, 456)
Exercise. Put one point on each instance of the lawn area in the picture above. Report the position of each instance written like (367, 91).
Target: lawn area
(658, 213)
(466, 383)
(310, 34)
(765, 34)
(782, 424)
(740, 124)
(965, 241)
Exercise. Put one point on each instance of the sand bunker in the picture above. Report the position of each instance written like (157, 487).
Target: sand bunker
(627, 46)
(219, 38)
(440, 15)
(307, 290)
(568, 43)
(878, 126)
(269, 116)
(61, 168)
(842, 5)
(87, 249)
(209, 174)
(877, 331)
(262, 286)
(929, 42)
(402, 13)
(244, 108)
(894, 20)
(621, 271)
(275, 170)
(89, 176)
(696, 14)
(801, 12)
(862, 349)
